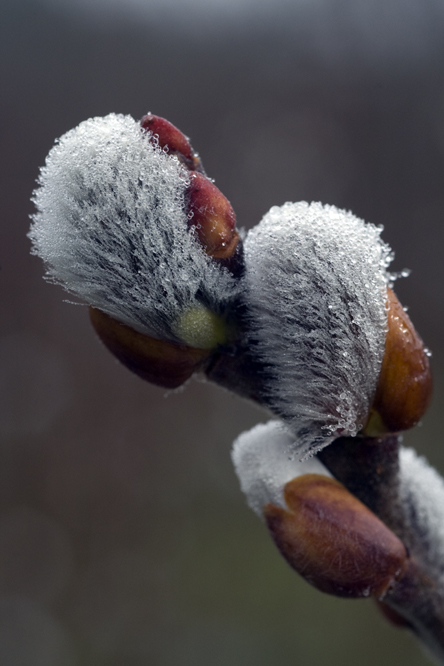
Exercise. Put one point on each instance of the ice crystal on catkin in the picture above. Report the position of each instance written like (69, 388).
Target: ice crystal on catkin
(316, 297)
(112, 228)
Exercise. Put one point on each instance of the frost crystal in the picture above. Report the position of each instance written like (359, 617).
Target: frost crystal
(263, 465)
(112, 228)
(316, 296)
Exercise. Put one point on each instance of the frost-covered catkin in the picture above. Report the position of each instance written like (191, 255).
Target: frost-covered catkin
(316, 297)
(112, 228)
(263, 465)
(261, 459)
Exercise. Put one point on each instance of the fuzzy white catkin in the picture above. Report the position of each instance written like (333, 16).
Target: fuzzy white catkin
(262, 461)
(263, 465)
(315, 293)
(422, 499)
(112, 228)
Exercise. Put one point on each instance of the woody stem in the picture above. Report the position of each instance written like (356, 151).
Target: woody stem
(369, 468)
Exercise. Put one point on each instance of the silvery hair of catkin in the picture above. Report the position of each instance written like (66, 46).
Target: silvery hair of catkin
(421, 491)
(111, 226)
(261, 460)
(316, 298)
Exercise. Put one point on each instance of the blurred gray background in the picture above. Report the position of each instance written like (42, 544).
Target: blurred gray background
(124, 539)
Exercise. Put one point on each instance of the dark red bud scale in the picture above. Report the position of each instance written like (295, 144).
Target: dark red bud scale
(210, 213)
(169, 136)
(212, 216)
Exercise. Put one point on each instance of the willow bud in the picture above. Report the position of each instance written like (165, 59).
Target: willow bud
(172, 139)
(324, 532)
(212, 217)
(160, 362)
(315, 301)
(209, 212)
(333, 540)
(337, 358)
(405, 382)
(127, 223)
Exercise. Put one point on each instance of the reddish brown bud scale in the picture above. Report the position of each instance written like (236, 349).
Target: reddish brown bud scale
(212, 216)
(333, 540)
(169, 135)
(157, 361)
(210, 212)
(405, 382)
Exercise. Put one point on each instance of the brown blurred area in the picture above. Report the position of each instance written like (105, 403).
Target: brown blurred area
(124, 539)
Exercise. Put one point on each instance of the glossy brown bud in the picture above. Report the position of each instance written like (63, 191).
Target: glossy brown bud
(333, 540)
(212, 217)
(405, 383)
(169, 136)
(157, 361)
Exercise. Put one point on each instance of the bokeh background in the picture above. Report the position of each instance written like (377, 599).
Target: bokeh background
(124, 538)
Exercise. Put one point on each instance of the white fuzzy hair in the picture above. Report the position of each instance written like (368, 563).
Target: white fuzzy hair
(422, 500)
(112, 228)
(315, 294)
(263, 463)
